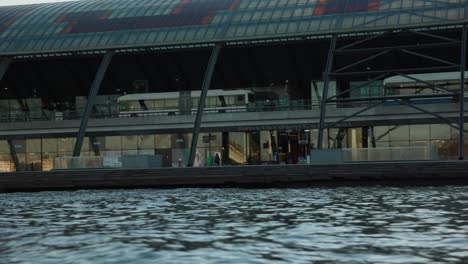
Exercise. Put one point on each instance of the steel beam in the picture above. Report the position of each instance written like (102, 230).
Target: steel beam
(355, 114)
(424, 56)
(90, 102)
(326, 81)
(461, 140)
(201, 105)
(435, 36)
(361, 41)
(410, 70)
(446, 120)
(406, 47)
(360, 86)
(392, 97)
(363, 60)
(429, 85)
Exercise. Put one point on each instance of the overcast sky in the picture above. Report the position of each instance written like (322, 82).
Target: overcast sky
(24, 2)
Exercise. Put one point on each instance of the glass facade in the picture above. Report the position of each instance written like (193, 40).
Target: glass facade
(233, 148)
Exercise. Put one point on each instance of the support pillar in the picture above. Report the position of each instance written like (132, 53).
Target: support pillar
(4, 65)
(326, 82)
(461, 139)
(13, 154)
(206, 84)
(90, 102)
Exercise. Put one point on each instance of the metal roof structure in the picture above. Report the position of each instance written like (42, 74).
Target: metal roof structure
(118, 24)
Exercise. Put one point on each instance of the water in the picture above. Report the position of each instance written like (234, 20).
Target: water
(319, 225)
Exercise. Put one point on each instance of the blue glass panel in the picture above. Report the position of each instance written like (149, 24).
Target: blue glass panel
(190, 33)
(251, 30)
(161, 36)
(267, 15)
(200, 34)
(455, 14)
(282, 28)
(170, 36)
(94, 41)
(293, 27)
(211, 32)
(39, 44)
(304, 25)
(180, 35)
(261, 28)
(56, 44)
(271, 28)
(231, 31)
(241, 29)
(326, 23)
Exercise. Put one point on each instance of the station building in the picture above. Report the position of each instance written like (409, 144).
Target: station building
(253, 81)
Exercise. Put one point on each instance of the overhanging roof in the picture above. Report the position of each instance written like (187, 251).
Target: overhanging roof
(105, 24)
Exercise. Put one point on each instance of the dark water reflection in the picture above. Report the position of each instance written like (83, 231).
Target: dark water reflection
(320, 225)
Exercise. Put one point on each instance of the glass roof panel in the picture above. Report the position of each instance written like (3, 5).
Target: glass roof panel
(91, 24)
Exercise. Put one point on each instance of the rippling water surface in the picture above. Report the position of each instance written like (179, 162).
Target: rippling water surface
(319, 225)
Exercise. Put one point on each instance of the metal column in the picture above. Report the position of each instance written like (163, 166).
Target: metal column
(4, 65)
(14, 155)
(326, 82)
(206, 85)
(461, 131)
(90, 103)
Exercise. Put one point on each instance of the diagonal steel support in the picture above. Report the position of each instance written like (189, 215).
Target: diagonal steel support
(4, 65)
(446, 120)
(410, 70)
(326, 83)
(201, 105)
(435, 36)
(391, 97)
(461, 139)
(90, 102)
(360, 86)
(429, 85)
(406, 47)
(420, 55)
(362, 41)
(363, 60)
(355, 114)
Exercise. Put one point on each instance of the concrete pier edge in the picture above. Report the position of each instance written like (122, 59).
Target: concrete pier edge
(263, 176)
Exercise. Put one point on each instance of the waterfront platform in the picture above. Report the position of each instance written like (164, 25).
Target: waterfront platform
(237, 121)
(378, 173)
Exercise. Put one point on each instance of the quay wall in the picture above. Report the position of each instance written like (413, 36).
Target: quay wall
(393, 173)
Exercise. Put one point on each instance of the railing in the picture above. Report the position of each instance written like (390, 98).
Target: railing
(325, 156)
(7, 116)
(108, 162)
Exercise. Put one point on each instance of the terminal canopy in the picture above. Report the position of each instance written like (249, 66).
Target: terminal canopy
(118, 24)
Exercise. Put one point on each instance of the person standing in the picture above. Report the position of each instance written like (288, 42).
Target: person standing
(217, 159)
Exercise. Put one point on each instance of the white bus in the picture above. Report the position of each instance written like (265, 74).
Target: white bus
(401, 85)
(148, 104)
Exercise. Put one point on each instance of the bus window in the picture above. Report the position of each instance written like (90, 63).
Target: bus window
(171, 103)
(239, 100)
(211, 102)
(195, 102)
(123, 106)
(134, 106)
(222, 100)
(158, 104)
(230, 100)
(251, 98)
(149, 104)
